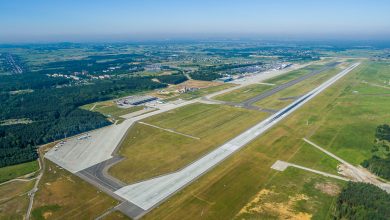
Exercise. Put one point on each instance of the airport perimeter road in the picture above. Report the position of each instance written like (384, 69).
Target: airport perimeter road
(150, 193)
(76, 155)
(257, 78)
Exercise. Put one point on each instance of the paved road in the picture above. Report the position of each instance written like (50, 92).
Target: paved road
(355, 173)
(282, 165)
(76, 155)
(98, 174)
(248, 104)
(279, 88)
(150, 193)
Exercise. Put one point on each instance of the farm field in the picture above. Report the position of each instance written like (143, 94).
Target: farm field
(219, 194)
(244, 93)
(62, 195)
(210, 125)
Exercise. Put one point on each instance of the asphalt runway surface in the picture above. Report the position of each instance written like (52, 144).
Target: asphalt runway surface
(150, 193)
(268, 93)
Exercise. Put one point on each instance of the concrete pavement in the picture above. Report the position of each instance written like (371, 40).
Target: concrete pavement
(150, 193)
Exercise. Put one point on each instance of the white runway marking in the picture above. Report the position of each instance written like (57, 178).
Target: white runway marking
(150, 193)
(169, 130)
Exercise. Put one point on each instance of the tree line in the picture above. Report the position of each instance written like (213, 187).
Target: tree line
(362, 201)
(55, 113)
(379, 163)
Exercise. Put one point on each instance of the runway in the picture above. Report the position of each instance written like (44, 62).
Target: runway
(150, 193)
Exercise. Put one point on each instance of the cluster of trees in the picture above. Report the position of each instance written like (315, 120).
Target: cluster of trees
(95, 65)
(55, 114)
(283, 52)
(379, 163)
(29, 81)
(383, 132)
(362, 201)
(172, 79)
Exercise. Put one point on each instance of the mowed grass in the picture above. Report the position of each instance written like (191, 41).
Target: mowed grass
(294, 74)
(14, 199)
(201, 92)
(293, 194)
(283, 98)
(62, 195)
(14, 171)
(224, 191)
(151, 151)
(244, 93)
(115, 216)
(349, 126)
(111, 110)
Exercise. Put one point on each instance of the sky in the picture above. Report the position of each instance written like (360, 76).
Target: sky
(126, 20)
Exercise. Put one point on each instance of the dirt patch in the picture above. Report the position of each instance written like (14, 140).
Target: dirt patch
(47, 215)
(283, 210)
(328, 188)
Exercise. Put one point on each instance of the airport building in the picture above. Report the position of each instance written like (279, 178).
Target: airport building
(134, 100)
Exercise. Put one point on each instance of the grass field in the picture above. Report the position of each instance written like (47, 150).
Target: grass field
(14, 171)
(235, 183)
(115, 216)
(349, 126)
(201, 92)
(14, 199)
(161, 152)
(111, 110)
(283, 98)
(293, 194)
(244, 93)
(293, 74)
(62, 195)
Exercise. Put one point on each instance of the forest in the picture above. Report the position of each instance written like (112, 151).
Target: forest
(54, 113)
(379, 163)
(172, 79)
(209, 73)
(362, 201)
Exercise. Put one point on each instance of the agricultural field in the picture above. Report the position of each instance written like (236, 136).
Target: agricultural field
(244, 93)
(241, 185)
(14, 200)
(209, 126)
(14, 171)
(62, 195)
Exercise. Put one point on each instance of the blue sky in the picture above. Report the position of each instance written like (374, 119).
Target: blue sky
(83, 20)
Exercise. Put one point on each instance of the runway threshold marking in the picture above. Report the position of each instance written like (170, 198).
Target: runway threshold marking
(170, 130)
